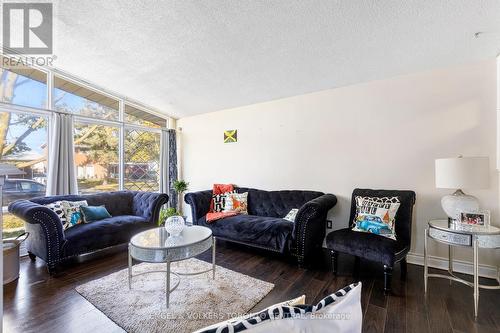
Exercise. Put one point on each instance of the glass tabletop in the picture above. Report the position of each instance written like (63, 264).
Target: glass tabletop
(159, 238)
(463, 228)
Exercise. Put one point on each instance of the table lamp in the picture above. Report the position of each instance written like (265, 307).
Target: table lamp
(461, 173)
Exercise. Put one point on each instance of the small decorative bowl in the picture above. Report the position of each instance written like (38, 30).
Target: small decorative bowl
(174, 225)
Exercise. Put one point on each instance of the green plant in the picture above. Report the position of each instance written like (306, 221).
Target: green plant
(165, 213)
(180, 186)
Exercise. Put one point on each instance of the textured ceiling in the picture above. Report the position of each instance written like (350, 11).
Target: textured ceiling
(190, 56)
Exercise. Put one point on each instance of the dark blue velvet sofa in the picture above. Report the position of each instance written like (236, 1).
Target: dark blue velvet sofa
(265, 227)
(131, 213)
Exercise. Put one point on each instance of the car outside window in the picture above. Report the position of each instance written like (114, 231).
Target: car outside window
(9, 185)
(26, 186)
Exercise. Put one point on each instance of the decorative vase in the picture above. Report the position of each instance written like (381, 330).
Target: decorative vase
(174, 225)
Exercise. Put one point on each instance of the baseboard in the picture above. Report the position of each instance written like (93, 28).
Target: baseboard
(460, 266)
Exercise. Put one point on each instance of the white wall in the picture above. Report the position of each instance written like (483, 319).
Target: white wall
(381, 134)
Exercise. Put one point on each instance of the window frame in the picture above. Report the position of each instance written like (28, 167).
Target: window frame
(49, 77)
(121, 123)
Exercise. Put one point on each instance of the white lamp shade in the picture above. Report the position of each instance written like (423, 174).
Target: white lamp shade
(463, 173)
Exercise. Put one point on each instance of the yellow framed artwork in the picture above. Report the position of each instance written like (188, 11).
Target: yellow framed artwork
(230, 136)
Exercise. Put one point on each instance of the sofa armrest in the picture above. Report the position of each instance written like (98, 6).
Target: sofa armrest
(199, 203)
(310, 226)
(45, 227)
(148, 205)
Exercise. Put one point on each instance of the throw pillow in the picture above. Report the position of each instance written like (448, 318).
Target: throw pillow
(236, 202)
(211, 217)
(94, 213)
(292, 214)
(57, 208)
(219, 197)
(72, 212)
(218, 202)
(338, 312)
(376, 215)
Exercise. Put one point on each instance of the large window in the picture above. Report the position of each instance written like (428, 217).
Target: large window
(23, 86)
(142, 160)
(117, 141)
(74, 98)
(96, 157)
(137, 116)
(23, 143)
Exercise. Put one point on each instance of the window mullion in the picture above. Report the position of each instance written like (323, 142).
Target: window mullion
(121, 148)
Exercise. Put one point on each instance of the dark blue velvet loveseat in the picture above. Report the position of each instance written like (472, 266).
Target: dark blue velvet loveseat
(265, 227)
(131, 213)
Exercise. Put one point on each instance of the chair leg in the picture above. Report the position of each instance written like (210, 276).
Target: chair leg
(335, 259)
(404, 269)
(357, 262)
(387, 278)
(32, 256)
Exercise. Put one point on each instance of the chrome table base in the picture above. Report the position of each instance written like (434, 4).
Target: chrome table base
(476, 242)
(168, 272)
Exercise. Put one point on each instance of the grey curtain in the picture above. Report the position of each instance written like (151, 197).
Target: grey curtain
(168, 161)
(164, 162)
(62, 176)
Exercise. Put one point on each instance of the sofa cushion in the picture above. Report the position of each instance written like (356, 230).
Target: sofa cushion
(365, 245)
(266, 232)
(100, 234)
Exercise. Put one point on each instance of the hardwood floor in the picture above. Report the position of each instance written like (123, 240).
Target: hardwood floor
(39, 303)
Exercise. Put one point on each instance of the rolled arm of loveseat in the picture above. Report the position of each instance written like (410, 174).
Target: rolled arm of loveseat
(199, 203)
(310, 224)
(148, 205)
(46, 236)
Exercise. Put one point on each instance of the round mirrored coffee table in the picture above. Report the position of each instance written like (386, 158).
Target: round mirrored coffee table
(157, 246)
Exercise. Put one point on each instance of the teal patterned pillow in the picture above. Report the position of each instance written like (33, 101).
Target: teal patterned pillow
(94, 213)
(72, 212)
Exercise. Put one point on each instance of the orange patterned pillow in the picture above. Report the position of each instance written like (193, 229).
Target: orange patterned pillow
(211, 217)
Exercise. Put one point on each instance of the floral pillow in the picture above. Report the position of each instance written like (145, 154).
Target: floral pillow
(72, 212)
(236, 202)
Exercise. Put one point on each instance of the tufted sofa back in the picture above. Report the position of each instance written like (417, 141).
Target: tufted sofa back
(276, 203)
(117, 203)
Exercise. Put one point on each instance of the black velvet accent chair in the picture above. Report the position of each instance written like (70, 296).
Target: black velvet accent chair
(373, 247)
(264, 226)
(131, 213)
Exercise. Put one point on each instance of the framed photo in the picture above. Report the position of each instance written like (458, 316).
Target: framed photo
(479, 218)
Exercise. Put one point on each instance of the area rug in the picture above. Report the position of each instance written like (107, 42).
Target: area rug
(199, 301)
